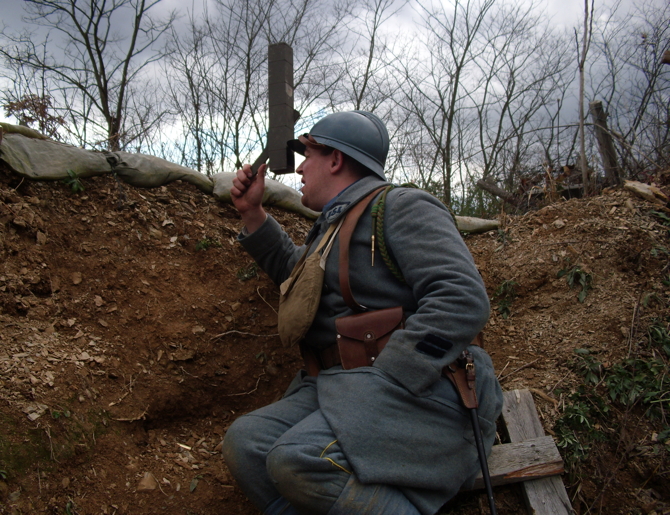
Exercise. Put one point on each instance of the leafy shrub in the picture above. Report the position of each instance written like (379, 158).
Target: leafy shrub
(73, 182)
(577, 276)
(505, 294)
(206, 243)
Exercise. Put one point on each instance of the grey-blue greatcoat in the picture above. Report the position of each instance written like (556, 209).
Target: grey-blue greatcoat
(399, 422)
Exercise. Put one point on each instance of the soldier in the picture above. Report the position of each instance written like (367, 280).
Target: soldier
(388, 434)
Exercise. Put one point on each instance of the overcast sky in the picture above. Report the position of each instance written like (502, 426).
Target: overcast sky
(564, 13)
(567, 13)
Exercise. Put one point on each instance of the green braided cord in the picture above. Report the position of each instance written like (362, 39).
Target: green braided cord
(451, 212)
(378, 230)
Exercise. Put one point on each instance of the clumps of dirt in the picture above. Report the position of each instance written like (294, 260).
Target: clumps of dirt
(579, 284)
(134, 329)
(617, 249)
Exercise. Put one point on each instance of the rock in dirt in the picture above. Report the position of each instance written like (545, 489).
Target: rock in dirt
(35, 411)
(147, 483)
(182, 355)
(646, 191)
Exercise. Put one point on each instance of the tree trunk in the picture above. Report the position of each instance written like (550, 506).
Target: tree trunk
(605, 144)
(498, 192)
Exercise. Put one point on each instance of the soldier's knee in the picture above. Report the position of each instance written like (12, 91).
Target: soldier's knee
(293, 478)
(283, 466)
(236, 447)
(310, 483)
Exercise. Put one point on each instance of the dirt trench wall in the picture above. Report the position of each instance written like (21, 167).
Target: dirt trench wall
(134, 329)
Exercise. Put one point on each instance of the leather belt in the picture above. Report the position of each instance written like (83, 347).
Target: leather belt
(330, 356)
(461, 372)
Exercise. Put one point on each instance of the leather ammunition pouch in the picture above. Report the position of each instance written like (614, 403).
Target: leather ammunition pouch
(360, 338)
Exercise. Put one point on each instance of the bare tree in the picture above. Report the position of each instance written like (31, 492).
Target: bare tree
(362, 65)
(634, 84)
(28, 99)
(436, 79)
(99, 50)
(581, 63)
(190, 67)
(523, 70)
(216, 74)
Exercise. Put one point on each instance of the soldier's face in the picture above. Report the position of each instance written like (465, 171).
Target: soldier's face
(315, 171)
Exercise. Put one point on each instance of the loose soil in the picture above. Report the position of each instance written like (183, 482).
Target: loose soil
(134, 329)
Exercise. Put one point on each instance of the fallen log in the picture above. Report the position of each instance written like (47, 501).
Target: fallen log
(497, 191)
(474, 225)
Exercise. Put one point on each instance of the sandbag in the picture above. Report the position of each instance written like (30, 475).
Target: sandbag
(48, 160)
(475, 225)
(32, 155)
(143, 171)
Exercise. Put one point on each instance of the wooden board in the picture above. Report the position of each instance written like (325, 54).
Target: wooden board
(543, 496)
(514, 462)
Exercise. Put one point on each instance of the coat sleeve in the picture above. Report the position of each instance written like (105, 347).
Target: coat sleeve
(272, 249)
(452, 304)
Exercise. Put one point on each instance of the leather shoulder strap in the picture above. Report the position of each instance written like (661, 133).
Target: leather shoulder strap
(350, 222)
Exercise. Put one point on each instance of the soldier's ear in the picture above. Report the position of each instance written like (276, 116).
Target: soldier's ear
(338, 161)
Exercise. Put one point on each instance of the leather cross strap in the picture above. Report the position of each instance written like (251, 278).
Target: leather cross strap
(346, 231)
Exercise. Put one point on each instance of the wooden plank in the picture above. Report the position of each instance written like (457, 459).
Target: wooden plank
(520, 416)
(547, 496)
(280, 103)
(543, 496)
(515, 462)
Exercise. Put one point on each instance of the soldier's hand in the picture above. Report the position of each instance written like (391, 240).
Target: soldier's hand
(247, 196)
(247, 191)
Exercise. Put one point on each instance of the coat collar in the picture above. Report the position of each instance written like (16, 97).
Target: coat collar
(349, 197)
